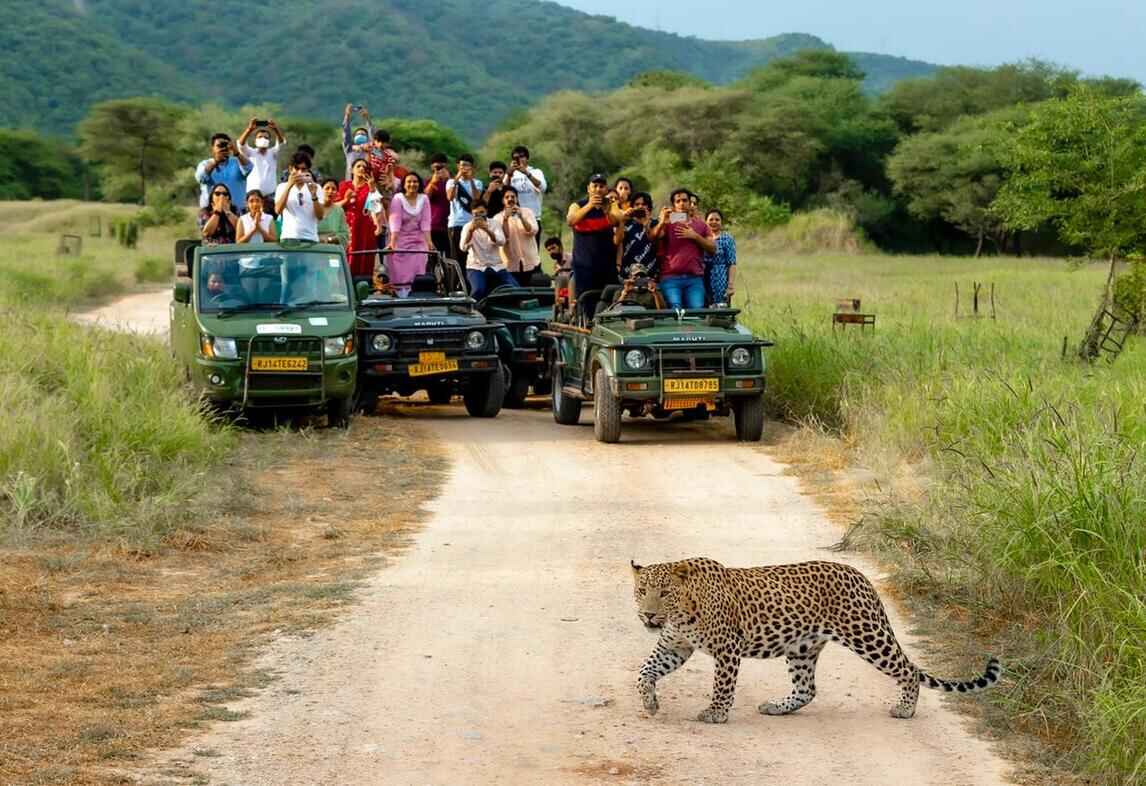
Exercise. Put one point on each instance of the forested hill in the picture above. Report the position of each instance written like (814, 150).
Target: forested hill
(462, 63)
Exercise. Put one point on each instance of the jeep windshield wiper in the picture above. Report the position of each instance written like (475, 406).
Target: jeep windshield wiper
(223, 313)
(308, 304)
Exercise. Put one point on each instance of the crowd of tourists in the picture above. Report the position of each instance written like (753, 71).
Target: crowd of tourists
(491, 226)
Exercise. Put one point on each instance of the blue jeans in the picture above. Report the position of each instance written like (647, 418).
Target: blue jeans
(479, 278)
(683, 291)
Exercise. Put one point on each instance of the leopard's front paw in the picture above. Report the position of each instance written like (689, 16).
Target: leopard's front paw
(713, 715)
(649, 698)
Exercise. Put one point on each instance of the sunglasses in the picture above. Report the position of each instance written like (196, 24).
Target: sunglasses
(220, 193)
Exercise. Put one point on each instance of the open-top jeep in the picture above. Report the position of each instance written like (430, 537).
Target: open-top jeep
(434, 339)
(631, 358)
(266, 326)
(522, 312)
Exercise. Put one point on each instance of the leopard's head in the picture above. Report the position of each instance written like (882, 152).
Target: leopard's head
(653, 591)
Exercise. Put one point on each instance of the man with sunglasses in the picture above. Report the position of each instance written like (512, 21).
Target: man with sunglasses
(300, 202)
(227, 166)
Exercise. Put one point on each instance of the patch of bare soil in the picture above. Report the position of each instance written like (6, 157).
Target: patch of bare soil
(106, 652)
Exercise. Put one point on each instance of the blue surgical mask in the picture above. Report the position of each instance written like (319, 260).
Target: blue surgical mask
(361, 139)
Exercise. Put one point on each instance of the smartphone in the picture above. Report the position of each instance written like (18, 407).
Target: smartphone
(355, 107)
(261, 124)
(677, 217)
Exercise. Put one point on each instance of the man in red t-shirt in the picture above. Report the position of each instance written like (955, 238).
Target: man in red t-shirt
(439, 203)
(684, 240)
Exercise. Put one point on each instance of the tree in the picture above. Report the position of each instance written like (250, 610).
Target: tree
(33, 167)
(955, 174)
(425, 136)
(667, 80)
(132, 138)
(816, 63)
(1080, 166)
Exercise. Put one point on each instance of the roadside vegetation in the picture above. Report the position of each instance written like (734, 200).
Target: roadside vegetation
(1011, 490)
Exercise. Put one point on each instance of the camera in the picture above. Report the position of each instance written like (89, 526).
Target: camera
(638, 212)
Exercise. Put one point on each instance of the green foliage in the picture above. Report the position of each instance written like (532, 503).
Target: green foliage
(666, 80)
(450, 63)
(955, 174)
(1130, 292)
(126, 231)
(33, 167)
(821, 231)
(1078, 165)
(423, 136)
(132, 142)
(96, 434)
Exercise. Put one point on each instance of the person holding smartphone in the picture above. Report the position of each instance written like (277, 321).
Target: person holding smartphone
(686, 238)
(520, 228)
(300, 202)
(482, 240)
(593, 221)
(366, 217)
(264, 156)
(227, 166)
(435, 190)
(463, 190)
(635, 242)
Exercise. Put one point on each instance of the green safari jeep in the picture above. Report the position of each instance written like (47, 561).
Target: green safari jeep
(522, 312)
(267, 326)
(648, 361)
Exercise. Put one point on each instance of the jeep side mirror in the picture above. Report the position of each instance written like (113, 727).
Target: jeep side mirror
(362, 290)
(182, 290)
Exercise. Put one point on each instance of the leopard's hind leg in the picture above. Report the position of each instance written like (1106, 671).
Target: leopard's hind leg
(878, 646)
(802, 657)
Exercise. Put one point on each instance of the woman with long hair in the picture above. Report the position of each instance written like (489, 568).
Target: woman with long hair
(409, 232)
(218, 222)
(362, 205)
(720, 265)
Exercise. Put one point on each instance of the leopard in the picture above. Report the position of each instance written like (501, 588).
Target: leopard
(792, 610)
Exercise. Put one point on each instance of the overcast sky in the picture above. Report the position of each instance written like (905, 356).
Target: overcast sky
(1100, 37)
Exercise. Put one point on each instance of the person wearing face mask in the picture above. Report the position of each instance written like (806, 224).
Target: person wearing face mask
(264, 157)
(356, 142)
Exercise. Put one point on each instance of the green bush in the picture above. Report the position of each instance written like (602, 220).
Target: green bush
(817, 231)
(150, 269)
(96, 435)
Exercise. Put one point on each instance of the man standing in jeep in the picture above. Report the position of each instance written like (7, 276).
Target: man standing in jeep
(593, 220)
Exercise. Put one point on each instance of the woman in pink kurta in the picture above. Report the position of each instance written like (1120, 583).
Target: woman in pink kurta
(409, 231)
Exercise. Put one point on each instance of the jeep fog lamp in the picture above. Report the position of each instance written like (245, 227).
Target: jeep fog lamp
(636, 359)
(338, 346)
(222, 348)
(475, 340)
(740, 357)
(530, 334)
(382, 343)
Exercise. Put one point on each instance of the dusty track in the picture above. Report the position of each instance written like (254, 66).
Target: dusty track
(503, 648)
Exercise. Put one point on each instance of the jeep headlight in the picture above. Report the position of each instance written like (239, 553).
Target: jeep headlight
(338, 346)
(529, 335)
(740, 357)
(382, 343)
(216, 347)
(636, 359)
(475, 340)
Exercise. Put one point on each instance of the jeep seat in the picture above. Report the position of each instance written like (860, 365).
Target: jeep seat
(424, 285)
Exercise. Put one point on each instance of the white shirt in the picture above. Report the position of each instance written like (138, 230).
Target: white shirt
(264, 168)
(482, 252)
(246, 223)
(299, 222)
(529, 195)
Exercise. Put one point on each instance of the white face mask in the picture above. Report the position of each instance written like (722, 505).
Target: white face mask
(262, 143)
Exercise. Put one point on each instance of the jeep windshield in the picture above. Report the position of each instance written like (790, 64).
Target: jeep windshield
(275, 280)
(426, 306)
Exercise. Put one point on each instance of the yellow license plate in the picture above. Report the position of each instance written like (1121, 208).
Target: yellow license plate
(431, 357)
(279, 364)
(423, 369)
(688, 403)
(704, 385)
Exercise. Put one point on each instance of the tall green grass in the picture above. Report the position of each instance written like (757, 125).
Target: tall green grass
(1036, 504)
(97, 435)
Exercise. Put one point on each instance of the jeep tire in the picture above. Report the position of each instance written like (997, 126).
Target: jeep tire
(606, 409)
(749, 416)
(366, 403)
(517, 390)
(566, 411)
(483, 397)
(338, 412)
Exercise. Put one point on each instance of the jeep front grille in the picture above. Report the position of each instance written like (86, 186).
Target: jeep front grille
(692, 361)
(414, 341)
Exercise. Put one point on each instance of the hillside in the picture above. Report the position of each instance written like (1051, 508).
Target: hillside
(312, 58)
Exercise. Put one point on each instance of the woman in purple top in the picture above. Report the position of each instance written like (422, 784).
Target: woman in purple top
(685, 239)
(409, 231)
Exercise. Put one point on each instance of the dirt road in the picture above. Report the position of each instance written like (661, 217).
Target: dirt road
(503, 647)
(144, 312)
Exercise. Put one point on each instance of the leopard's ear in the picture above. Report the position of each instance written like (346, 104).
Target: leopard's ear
(681, 571)
(636, 568)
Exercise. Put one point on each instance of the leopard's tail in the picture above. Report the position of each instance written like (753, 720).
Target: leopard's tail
(989, 678)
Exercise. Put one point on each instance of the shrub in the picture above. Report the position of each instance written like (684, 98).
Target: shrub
(817, 231)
